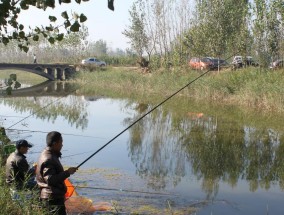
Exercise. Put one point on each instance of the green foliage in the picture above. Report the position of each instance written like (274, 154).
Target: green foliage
(10, 10)
(136, 31)
(253, 88)
(11, 83)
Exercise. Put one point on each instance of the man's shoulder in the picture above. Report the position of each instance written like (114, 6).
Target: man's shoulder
(13, 156)
(47, 156)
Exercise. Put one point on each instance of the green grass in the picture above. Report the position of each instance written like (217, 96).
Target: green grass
(250, 88)
(21, 206)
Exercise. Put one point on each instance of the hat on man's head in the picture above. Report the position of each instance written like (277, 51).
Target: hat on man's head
(23, 143)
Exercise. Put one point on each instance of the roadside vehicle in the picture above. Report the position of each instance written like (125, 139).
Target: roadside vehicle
(95, 61)
(277, 64)
(239, 62)
(218, 63)
(200, 63)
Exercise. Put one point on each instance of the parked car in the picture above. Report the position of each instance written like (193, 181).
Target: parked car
(277, 64)
(239, 62)
(200, 63)
(216, 62)
(93, 60)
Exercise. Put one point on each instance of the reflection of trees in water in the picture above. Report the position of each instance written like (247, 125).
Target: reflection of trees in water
(156, 152)
(163, 146)
(70, 107)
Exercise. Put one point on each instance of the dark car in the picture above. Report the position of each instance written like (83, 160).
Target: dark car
(200, 63)
(218, 63)
(239, 62)
(277, 64)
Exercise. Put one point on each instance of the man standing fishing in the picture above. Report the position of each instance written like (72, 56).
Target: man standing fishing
(50, 175)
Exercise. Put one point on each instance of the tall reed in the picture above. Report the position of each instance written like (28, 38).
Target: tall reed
(251, 87)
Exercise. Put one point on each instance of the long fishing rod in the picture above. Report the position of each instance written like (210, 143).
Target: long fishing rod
(123, 190)
(158, 105)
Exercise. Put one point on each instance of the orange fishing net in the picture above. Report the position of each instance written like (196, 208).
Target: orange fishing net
(79, 204)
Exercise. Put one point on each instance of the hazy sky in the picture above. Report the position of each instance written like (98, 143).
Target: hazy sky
(102, 23)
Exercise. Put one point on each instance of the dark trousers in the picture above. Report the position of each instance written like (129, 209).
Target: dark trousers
(55, 206)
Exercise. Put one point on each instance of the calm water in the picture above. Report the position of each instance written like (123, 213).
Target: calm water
(220, 160)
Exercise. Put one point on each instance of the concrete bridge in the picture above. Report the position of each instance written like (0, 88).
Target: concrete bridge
(50, 71)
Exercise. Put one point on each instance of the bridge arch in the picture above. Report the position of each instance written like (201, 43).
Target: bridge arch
(49, 71)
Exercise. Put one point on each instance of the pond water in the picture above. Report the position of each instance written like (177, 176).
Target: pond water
(217, 159)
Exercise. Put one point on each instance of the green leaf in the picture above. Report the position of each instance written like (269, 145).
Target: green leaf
(35, 37)
(5, 40)
(75, 27)
(9, 90)
(51, 40)
(22, 34)
(37, 29)
(50, 3)
(26, 49)
(67, 23)
(17, 85)
(64, 15)
(60, 37)
(110, 4)
(9, 82)
(83, 18)
(52, 18)
(15, 35)
(21, 27)
(44, 34)
(13, 77)
(23, 5)
(49, 28)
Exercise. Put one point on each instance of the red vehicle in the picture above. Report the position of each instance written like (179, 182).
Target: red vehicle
(200, 63)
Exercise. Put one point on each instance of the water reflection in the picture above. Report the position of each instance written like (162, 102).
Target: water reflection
(47, 88)
(48, 101)
(174, 143)
(214, 150)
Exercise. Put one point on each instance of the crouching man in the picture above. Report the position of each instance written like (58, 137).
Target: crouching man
(18, 172)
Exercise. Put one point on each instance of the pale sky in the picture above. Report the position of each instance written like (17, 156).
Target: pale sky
(102, 23)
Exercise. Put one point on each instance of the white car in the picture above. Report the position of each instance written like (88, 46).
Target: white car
(93, 60)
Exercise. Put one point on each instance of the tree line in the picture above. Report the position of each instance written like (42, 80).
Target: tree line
(179, 29)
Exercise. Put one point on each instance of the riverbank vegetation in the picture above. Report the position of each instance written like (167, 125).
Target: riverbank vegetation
(252, 88)
(22, 205)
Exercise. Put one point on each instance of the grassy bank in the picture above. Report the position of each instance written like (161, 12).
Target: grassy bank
(252, 88)
(23, 205)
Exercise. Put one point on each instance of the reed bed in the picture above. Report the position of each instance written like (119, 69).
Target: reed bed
(252, 87)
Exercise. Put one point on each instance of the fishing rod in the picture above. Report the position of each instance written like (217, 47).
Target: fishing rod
(123, 190)
(158, 105)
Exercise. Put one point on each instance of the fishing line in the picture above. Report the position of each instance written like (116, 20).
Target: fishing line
(143, 117)
(45, 132)
(12, 116)
(81, 153)
(158, 105)
(56, 100)
(122, 190)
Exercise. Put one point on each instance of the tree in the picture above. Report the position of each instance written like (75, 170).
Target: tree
(218, 28)
(136, 32)
(10, 10)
